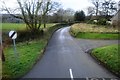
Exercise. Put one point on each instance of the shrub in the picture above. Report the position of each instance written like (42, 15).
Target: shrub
(90, 22)
(26, 35)
(102, 21)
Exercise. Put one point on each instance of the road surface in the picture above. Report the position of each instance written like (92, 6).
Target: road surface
(65, 57)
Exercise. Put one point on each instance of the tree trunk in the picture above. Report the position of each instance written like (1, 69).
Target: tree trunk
(2, 53)
(44, 25)
(44, 21)
(3, 57)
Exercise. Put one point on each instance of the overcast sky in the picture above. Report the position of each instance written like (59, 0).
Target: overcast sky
(73, 4)
(76, 4)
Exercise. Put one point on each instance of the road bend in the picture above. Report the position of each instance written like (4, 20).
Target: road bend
(65, 57)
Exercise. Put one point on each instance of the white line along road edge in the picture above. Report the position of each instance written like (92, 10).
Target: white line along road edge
(71, 74)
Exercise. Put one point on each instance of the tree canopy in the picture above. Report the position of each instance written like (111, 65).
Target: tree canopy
(79, 16)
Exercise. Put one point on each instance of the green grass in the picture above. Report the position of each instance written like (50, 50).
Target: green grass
(19, 26)
(13, 26)
(97, 35)
(28, 52)
(89, 31)
(109, 55)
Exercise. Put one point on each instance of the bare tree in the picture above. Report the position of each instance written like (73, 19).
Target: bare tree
(63, 15)
(32, 12)
(68, 15)
(48, 7)
(91, 10)
(59, 15)
(109, 7)
(96, 3)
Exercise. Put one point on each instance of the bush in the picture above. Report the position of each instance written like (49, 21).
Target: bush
(102, 21)
(90, 22)
(26, 35)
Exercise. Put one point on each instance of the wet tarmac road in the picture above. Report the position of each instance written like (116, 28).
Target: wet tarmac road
(65, 57)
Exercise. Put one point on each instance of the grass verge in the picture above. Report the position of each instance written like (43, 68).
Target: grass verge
(109, 56)
(86, 35)
(89, 31)
(29, 53)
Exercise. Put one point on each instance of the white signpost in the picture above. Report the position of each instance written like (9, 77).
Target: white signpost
(13, 36)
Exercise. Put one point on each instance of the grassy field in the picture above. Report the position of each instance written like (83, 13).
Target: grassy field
(109, 56)
(19, 26)
(90, 31)
(13, 26)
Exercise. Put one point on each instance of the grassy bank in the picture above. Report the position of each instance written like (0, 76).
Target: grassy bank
(29, 53)
(96, 35)
(109, 56)
(90, 31)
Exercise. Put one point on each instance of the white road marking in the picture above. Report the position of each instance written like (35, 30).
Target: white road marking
(87, 78)
(71, 74)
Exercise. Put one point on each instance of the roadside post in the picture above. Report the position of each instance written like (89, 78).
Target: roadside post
(13, 36)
